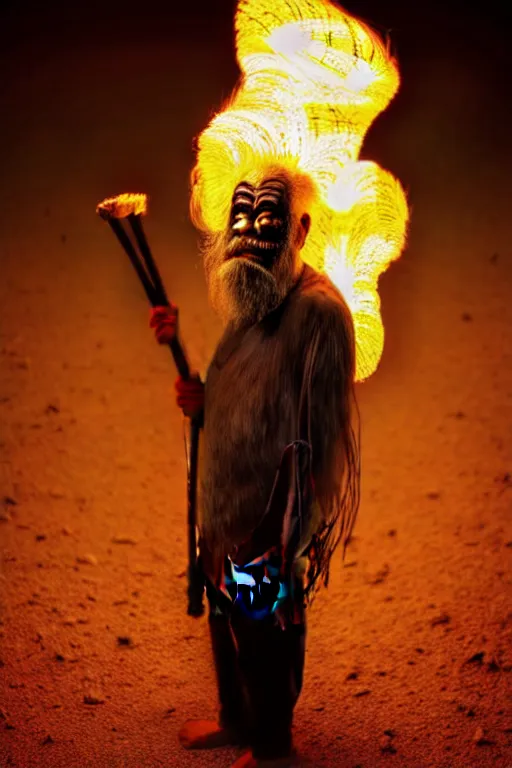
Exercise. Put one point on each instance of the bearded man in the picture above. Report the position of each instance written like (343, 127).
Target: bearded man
(282, 199)
(279, 474)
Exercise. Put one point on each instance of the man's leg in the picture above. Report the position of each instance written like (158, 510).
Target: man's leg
(271, 661)
(231, 727)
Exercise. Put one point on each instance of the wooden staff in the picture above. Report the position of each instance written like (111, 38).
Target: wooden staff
(132, 207)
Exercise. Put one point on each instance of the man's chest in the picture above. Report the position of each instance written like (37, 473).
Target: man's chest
(253, 384)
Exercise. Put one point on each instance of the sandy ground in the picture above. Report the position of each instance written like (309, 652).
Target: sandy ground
(409, 653)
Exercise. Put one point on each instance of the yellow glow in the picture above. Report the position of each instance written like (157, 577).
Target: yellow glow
(314, 79)
(122, 205)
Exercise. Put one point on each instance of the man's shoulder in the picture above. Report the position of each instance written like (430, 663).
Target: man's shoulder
(318, 298)
(321, 321)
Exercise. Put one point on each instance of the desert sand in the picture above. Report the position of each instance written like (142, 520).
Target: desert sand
(409, 653)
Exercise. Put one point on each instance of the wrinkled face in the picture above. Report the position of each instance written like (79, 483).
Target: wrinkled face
(259, 222)
(252, 266)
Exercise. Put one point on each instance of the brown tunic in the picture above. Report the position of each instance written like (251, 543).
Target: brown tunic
(256, 403)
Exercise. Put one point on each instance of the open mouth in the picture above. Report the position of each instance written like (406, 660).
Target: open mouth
(261, 251)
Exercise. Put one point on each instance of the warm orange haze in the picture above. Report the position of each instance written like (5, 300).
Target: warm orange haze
(408, 659)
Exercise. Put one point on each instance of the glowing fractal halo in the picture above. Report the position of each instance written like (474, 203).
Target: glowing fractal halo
(313, 80)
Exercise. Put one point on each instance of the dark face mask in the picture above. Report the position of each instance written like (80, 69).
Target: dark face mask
(259, 222)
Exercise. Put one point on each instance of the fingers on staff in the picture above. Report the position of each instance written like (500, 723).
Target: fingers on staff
(164, 321)
(190, 395)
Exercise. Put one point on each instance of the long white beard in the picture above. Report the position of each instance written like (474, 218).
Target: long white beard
(244, 291)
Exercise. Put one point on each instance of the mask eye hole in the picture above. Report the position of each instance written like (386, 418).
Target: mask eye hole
(240, 212)
(269, 219)
(240, 220)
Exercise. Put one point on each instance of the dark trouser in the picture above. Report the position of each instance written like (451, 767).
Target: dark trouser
(259, 667)
(257, 622)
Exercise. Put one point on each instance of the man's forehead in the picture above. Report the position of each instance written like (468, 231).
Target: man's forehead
(273, 185)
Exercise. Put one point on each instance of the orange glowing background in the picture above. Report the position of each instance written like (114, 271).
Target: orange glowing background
(313, 80)
(409, 656)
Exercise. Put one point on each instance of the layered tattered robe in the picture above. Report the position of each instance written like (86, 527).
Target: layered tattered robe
(276, 414)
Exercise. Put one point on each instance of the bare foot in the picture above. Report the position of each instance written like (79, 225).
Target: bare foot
(206, 734)
(248, 761)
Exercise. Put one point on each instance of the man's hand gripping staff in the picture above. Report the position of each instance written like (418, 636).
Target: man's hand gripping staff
(189, 391)
(164, 319)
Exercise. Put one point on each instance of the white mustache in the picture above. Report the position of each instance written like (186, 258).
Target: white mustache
(240, 244)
